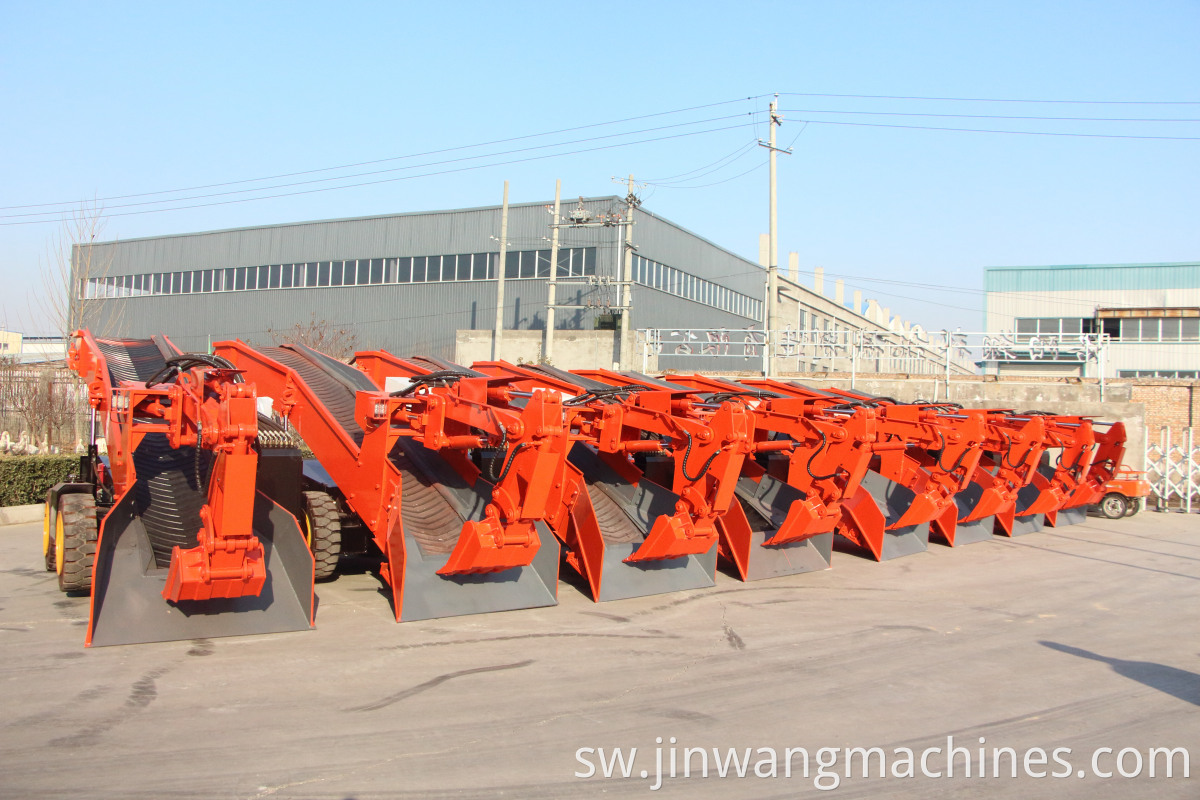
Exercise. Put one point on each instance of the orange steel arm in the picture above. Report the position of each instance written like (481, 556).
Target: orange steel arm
(828, 454)
(451, 420)
(710, 446)
(1017, 443)
(1067, 486)
(205, 408)
(464, 411)
(709, 454)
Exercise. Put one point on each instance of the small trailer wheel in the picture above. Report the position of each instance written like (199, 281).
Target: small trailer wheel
(1114, 505)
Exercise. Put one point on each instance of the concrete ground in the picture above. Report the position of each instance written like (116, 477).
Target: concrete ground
(1084, 637)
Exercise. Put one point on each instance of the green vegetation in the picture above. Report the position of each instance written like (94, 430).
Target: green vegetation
(25, 479)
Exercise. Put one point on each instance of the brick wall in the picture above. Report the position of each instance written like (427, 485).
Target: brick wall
(1173, 403)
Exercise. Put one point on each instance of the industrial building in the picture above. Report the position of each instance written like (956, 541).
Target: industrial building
(22, 349)
(428, 283)
(1115, 320)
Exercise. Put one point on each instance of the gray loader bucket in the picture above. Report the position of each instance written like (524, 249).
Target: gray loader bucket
(765, 503)
(894, 499)
(127, 602)
(1070, 516)
(428, 595)
(625, 513)
(979, 530)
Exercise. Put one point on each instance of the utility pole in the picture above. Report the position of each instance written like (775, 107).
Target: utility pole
(498, 336)
(552, 286)
(776, 120)
(627, 282)
(602, 285)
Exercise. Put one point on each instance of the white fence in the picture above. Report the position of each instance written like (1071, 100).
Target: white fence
(1174, 472)
(45, 404)
(912, 352)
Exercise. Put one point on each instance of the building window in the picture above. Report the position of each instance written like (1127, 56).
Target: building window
(1186, 374)
(1026, 327)
(522, 264)
(692, 287)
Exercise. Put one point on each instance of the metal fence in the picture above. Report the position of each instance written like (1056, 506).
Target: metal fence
(1174, 472)
(42, 406)
(912, 352)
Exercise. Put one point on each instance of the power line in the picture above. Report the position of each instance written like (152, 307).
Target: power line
(402, 177)
(990, 116)
(1020, 133)
(672, 184)
(702, 172)
(391, 169)
(636, 118)
(714, 183)
(384, 160)
(731, 157)
(999, 100)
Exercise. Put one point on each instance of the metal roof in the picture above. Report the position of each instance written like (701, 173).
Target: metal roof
(1095, 277)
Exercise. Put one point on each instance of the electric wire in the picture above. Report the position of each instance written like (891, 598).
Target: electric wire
(989, 116)
(390, 170)
(388, 159)
(996, 99)
(992, 130)
(399, 178)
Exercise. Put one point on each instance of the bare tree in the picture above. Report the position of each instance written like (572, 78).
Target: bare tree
(46, 400)
(75, 291)
(319, 334)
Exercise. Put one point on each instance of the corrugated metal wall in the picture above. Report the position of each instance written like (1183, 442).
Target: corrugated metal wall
(665, 242)
(409, 318)
(1094, 277)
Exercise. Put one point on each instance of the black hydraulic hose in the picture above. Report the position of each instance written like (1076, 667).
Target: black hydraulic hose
(1078, 457)
(503, 446)
(687, 453)
(931, 404)
(721, 397)
(176, 364)
(511, 458)
(605, 395)
(813, 457)
(1008, 449)
(942, 452)
(441, 377)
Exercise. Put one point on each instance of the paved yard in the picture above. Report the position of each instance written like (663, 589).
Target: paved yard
(1082, 638)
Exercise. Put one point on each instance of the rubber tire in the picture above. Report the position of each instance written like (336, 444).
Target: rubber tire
(323, 527)
(1114, 505)
(49, 522)
(1135, 505)
(77, 513)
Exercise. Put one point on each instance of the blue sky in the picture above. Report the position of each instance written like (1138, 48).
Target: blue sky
(108, 99)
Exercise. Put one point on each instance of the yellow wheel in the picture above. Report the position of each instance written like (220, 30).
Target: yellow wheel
(47, 539)
(59, 544)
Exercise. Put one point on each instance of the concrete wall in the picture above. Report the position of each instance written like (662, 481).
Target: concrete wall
(572, 349)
